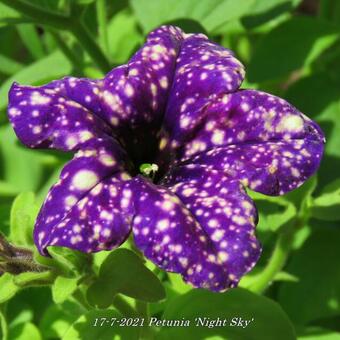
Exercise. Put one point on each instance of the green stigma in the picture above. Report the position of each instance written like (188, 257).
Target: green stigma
(148, 169)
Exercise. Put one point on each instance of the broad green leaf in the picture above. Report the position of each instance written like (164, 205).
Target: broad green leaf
(324, 88)
(63, 288)
(122, 42)
(21, 167)
(226, 11)
(124, 272)
(210, 13)
(86, 329)
(7, 13)
(265, 13)
(51, 67)
(326, 207)
(267, 320)
(9, 66)
(261, 6)
(300, 39)
(7, 287)
(33, 279)
(317, 293)
(25, 331)
(23, 213)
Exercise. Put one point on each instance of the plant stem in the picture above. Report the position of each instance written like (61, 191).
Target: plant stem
(146, 332)
(85, 39)
(63, 22)
(123, 306)
(276, 263)
(70, 55)
(102, 25)
(3, 322)
(41, 15)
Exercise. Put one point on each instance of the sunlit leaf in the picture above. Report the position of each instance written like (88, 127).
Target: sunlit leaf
(210, 13)
(7, 287)
(63, 287)
(23, 213)
(25, 331)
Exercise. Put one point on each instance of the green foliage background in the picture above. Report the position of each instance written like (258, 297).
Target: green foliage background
(290, 48)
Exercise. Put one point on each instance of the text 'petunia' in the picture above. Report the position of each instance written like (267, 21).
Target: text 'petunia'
(177, 106)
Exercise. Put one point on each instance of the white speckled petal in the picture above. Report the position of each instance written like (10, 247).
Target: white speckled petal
(259, 139)
(75, 204)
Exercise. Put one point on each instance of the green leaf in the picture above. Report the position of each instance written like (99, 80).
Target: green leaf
(51, 67)
(284, 276)
(210, 13)
(7, 287)
(330, 10)
(122, 42)
(7, 13)
(326, 207)
(84, 328)
(33, 279)
(300, 39)
(315, 333)
(24, 332)
(21, 168)
(317, 293)
(63, 288)
(178, 284)
(57, 319)
(267, 320)
(23, 213)
(70, 261)
(274, 211)
(31, 40)
(9, 66)
(124, 272)
(7, 189)
(302, 196)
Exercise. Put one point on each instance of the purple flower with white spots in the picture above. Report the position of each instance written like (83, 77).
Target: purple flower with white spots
(177, 105)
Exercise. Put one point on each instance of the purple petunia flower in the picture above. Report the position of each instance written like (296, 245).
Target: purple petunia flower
(177, 104)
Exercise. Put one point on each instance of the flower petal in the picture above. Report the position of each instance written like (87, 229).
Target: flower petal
(204, 71)
(43, 118)
(89, 184)
(257, 138)
(135, 93)
(171, 233)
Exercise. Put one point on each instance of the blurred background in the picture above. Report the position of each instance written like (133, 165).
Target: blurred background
(290, 48)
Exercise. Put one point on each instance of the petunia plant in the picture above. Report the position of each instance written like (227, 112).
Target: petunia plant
(165, 148)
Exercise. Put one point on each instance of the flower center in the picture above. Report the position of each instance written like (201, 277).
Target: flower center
(149, 170)
(142, 146)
